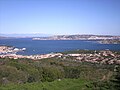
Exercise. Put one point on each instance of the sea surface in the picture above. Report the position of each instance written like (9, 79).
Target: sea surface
(48, 46)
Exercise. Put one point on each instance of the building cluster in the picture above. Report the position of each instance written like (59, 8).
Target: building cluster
(34, 57)
(43, 56)
(100, 38)
(103, 57)
(78, 37)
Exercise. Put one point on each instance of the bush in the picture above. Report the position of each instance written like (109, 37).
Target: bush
(11, 74)
(52, 73)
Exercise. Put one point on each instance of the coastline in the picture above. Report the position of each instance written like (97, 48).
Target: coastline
(93, 56)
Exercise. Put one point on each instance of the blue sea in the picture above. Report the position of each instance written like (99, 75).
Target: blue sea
(48, 46)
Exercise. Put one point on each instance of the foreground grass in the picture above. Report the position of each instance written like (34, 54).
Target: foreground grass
(66, 84)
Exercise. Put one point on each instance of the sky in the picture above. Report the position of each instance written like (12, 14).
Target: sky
(60, 17)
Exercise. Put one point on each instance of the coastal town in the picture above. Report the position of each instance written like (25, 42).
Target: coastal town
(78, 37)
(102, 57)
(102, 39)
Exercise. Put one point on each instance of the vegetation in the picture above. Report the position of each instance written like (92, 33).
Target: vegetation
(65, 84)
(80, 51)
(57, 74)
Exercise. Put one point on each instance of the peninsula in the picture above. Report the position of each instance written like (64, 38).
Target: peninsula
(103, 39)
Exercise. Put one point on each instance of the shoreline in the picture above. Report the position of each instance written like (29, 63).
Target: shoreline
(93, 56)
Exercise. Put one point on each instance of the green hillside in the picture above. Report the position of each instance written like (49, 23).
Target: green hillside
(65, 84)
(57, 74)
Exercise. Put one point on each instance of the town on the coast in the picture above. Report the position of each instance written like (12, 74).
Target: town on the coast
(102, 56)
(102, 39)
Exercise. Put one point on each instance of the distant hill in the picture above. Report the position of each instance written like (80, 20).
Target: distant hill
(78, 37)
(38, 36)
(1, 37)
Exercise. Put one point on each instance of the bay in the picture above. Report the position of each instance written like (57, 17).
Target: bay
(48, 46)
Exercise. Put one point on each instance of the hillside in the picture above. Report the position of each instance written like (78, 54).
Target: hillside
(57, 74)
(66, 84)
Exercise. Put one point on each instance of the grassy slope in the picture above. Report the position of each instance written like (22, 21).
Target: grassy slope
(66, 84)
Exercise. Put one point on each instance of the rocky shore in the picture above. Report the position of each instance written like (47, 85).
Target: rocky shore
(116, 41)
(10, 49)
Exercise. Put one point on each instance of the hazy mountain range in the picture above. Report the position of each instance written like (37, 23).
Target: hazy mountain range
(25, 35)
